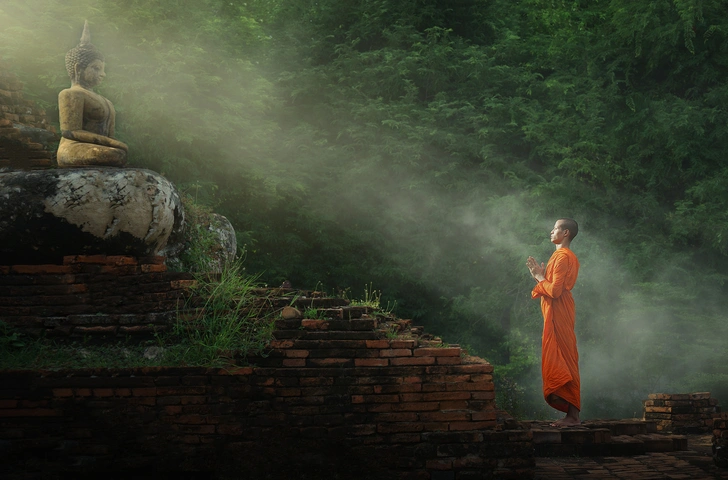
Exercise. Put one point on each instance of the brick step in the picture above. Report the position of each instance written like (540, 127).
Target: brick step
(603, 438)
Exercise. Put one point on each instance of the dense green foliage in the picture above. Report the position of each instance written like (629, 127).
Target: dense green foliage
(427, 146)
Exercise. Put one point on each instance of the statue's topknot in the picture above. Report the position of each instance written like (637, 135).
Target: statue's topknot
(83, 54)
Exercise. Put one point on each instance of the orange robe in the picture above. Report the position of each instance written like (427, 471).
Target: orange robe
(559, 357)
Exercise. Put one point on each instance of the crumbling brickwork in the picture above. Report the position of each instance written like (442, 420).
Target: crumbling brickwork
(24, 129)
(331, 399)
(92, 295)
(681, 413)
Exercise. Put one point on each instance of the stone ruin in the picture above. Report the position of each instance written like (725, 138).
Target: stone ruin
(27, 140)
(82, 256)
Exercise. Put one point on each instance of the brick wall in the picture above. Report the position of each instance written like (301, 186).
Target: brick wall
(18, 149)
(681, 413)
(97, 295)
(333, 399)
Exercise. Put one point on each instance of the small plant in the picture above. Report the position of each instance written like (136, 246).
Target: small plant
(372, 298)
(9, 337)
(229, 326)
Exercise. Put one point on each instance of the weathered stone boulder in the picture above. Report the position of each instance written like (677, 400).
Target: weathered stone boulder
(210, 245)
(45, 215)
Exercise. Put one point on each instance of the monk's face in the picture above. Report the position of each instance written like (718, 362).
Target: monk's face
(93, 74)
(558, 233)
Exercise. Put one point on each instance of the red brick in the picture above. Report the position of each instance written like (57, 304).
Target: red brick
(281, 344)
(481, 378)
(416, 407)
(309, 324)
(121, 260)
(190, 439)
(103, 392)
(193, 400)
(381, 398)
(471, 386)
(399, 427)
(411, 397)
(144, 392)
(289, 392)
(315, 381)
(437, 352)
(395, 352)
(412, 361)
(235, 371)
(451, 416)
(412, 380)
(380, 407)
(435, 426)
(397, 417)
(95, 259)
(110, 330)
(468, 461)
(454, 405)
(378, 344)
(225, 429)
(371, 362)
(409, 344)
(154, 268)
(439, 396)
(167, 391)
(329, 362)
(449, 360)
(62, 392)
(8, 403)
(296, 353)
(440, 464)
(434, 387)
(459, 426)
(41, 269)
(361, 430)
(294, 362)
(30, 412)
(190, 419)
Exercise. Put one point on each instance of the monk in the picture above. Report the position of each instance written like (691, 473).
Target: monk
(559, 356)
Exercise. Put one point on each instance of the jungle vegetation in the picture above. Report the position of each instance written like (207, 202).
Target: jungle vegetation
(427, 146)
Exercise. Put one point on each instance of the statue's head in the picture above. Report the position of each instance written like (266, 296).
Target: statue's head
(85, 63)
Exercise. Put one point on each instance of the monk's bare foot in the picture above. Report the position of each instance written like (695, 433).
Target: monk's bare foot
(566, 422)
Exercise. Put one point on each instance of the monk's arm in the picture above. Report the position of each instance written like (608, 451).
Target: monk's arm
(71, 107)
(555, 286)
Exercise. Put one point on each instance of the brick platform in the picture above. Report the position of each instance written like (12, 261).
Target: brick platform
(603, 438)
(334, 398)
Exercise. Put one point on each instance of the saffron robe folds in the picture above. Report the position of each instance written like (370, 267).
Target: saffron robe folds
(559, 356)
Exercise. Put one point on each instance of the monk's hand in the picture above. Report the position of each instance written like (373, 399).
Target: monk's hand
(537, 271)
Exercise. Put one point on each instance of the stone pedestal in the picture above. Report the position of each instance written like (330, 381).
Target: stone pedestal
(46, 215)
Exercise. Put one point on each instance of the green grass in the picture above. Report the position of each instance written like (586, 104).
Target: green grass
(226, 332)
(229, 328)
(372, 298)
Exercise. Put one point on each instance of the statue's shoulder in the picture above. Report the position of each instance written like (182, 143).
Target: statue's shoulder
(76, 91)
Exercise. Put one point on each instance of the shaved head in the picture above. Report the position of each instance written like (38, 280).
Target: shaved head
(570, 225)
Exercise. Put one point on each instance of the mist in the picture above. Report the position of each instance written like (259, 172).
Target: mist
(328, 180)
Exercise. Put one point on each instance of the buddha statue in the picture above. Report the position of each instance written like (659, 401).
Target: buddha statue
(87, 118)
